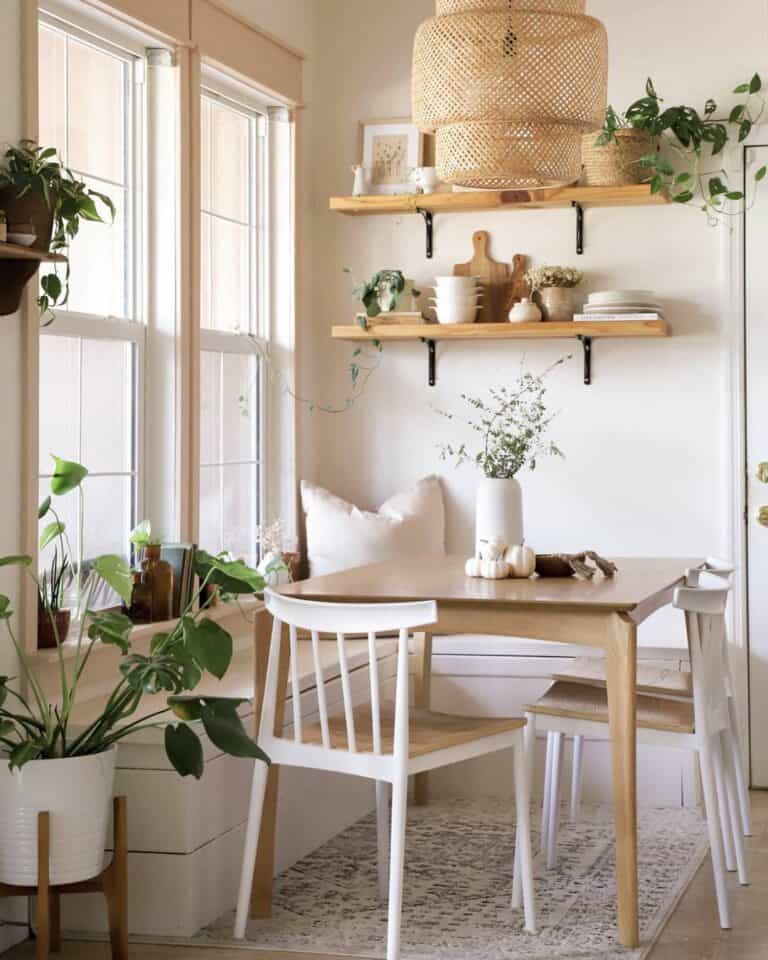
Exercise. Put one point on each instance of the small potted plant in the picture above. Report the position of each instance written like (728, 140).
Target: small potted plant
(512, 424)
(551, 288)
(680, 144)
(49, 763)
(383, 293)
(36, 189)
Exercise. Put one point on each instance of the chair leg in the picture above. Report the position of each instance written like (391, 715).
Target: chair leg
(396, 864)
(733, 747)
(258, 789)
(554, 800)
(529, 741)
(523, 836)
(382, 836)
(713, 827)
(545, 806)
(578, 759)
(722, 805)
(734, 819)
(55, 924)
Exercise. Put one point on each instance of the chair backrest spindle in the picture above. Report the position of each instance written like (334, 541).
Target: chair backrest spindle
(373, 661)
(295, 691)
(346, 692)
(322, 704)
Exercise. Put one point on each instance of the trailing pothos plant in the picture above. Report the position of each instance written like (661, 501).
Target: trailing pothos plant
(32, 727)
(29, 168)
(691, 140)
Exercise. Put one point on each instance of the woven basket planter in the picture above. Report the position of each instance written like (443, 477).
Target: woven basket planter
(509, 87)
(616, 164)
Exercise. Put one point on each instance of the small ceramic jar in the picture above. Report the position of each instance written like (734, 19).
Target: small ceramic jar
(525, 311)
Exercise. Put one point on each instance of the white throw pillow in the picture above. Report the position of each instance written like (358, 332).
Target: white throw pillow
(341, 535)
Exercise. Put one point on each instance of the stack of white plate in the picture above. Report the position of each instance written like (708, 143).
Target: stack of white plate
(457, 300)
(622, 304)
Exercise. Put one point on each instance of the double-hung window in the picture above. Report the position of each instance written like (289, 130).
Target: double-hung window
(233, 310)
(91, 355)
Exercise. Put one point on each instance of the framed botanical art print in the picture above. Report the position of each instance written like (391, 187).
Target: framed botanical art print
(389, 151)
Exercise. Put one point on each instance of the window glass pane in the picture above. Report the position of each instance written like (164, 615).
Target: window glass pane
(210, 407)
(240, 416)
(239, 510)
(210, 509)
(108, 515)
(229, 132)
(97, 112)
(229, 276)
(53, 90)
(59, 399)
(98, 260)
(107, 406)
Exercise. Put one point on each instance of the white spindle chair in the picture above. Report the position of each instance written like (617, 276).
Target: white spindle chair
(703, 725)
(593, 672)
(383, 742)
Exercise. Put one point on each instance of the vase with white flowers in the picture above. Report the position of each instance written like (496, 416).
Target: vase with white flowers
(551, 288)
(511, 423)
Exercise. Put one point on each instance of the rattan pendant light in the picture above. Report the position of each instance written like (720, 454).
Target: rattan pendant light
(508, 87)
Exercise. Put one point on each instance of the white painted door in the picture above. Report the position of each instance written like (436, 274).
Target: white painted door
(756, 364)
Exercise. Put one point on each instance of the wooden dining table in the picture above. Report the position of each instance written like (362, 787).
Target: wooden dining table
(603, 613)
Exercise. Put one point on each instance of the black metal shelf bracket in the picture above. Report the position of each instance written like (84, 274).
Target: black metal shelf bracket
(579, 226)
(431, 355)
(586, 343)
(429, 224)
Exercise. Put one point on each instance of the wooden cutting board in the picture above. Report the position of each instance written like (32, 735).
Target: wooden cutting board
(502, 286)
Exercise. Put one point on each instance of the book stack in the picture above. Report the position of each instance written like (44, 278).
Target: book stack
(622, 305)
(181, 557)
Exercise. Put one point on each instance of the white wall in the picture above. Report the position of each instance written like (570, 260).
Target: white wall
(645, 444)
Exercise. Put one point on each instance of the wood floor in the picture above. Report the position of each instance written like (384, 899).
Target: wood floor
(691, 934)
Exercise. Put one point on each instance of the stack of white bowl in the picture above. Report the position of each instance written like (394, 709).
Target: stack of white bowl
(457, 300)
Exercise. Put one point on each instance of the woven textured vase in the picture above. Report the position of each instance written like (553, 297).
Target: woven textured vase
(509, 87)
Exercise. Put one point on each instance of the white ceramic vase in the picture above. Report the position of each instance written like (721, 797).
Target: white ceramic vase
(274, 570)
(498, 512)
(77, 792)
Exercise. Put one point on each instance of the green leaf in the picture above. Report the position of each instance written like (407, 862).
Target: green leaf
(44, 507)
(225, 731)
(664, 167)
(684, 197)
(51, 284)
(6, 727)
(24, 752)
(760, 174)
(67, 476)
(209, 644)
(656, 184)
(5, 607)
(114, 571)
(735, 195)
(184, 750)
(52, 530)
(745, 128)
(736, 113)
(742, 88)
(141, 534)
(755, 83)
(716, 186)
(648, 160)
(709, 107)
(111, 627)
(682, 178)
(233, 576)
(190, 707)
(16, 560)
(650, 89)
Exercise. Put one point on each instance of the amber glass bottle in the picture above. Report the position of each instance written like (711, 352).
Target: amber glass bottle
(159, 575)
(141, 599)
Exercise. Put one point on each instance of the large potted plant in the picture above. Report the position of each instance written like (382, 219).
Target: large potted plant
(36, 189)
(512, 424)
(52, 765)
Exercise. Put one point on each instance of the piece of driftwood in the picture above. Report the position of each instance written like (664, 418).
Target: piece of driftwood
(568, 564)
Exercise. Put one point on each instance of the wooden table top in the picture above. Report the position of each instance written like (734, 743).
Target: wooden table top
(442, 578)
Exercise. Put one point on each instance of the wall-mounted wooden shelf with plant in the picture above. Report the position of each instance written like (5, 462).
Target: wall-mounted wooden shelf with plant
(17, 265)
(430, 333)
(632, 195)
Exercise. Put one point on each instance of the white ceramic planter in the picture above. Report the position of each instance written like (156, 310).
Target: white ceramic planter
(499, 511)
(77, 792)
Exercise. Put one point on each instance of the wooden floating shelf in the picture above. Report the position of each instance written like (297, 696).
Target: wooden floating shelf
(15, 251)
(471, 201)
(430, 204)
(584, 331)
(505, 331)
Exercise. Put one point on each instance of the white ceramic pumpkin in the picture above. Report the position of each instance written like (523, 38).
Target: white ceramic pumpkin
(473, 567)
(521, 560)
(494, 569)
(493, 548)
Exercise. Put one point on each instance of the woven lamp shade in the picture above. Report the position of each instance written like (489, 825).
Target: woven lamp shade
(509, 89)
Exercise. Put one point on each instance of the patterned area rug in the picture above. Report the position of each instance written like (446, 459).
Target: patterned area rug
(458, 883)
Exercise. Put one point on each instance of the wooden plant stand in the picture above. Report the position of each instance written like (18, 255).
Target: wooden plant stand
(112, 882)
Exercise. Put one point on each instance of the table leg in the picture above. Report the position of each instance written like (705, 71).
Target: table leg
(263, 872)
(621, 662)
(422, 698)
